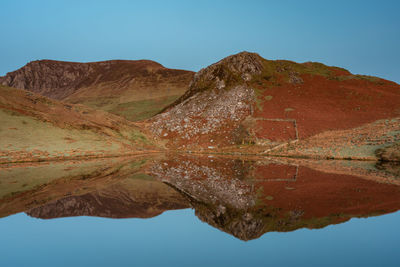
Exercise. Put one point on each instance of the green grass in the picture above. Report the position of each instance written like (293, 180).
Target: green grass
(358, 77)
(274, 67)
(133, 110)
(142, 109)
(26, 134)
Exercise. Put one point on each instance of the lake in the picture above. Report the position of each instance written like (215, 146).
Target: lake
(199, 210)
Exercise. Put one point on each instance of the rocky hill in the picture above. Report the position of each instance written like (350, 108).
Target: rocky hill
(245, 103)
(133, 89)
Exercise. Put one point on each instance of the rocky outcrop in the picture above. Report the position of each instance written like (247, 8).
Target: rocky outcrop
(218, 100)
(49, 78)
(231, 71)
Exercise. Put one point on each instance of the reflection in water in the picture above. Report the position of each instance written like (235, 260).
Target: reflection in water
(248, 198)
(134, 197)
(245, 197)
(115, 188)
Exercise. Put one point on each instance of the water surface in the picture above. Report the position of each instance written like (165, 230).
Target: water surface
(185, 210)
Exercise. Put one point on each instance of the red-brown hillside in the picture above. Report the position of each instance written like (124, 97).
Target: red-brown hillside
(246, 99)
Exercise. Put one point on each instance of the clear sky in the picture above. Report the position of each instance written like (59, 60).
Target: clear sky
(362, 36)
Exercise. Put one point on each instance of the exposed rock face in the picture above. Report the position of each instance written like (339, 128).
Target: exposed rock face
(49, 78)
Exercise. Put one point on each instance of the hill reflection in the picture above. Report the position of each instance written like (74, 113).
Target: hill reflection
(243, 196)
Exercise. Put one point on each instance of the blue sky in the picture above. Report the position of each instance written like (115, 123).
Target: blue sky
(362, 36)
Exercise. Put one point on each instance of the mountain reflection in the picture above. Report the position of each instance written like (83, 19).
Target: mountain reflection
(245, 197)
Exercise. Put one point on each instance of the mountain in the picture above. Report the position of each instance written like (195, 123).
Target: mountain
(34, 127)
(245, 103)
(134, 89)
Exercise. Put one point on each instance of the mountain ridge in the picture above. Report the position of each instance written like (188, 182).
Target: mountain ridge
(116, 86)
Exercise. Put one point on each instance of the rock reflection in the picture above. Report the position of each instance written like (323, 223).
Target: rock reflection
(245, 197)
(249, 197)
(135, 197)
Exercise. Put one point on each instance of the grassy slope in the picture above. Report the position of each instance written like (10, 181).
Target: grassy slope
(134, 95)
(131, 110)
(33, 127)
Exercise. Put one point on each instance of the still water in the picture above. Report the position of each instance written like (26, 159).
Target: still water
(183, 210)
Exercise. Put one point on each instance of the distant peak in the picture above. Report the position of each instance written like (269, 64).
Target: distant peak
(244, 55)
(232, 70)
(243, 62)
